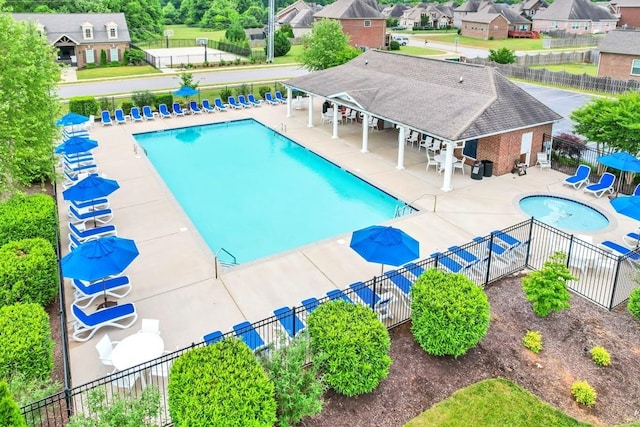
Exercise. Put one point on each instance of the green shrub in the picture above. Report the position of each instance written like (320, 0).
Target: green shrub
(243, 89)
(546, 288)
(225, 94)
(103, 58)
(126, 107)
(25, 342)
(143, 98)
(350, 347)
(105, 104)
(27, 390)
(449, 313)
(26, 217)
(28, 272)
(133, 57)
(583, 393)
(119, 410)
(533, 341)
(164, 99)
(85, 105)
(263, 90)
(394, 45)
(9, 411)
(221, 384)
(633, 305)
(298, 390)
(600, 356)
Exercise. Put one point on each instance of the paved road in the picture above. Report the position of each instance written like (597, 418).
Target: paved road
(171, 81)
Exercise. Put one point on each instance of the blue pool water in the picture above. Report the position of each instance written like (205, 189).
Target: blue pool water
(255, 193)
(564, 213)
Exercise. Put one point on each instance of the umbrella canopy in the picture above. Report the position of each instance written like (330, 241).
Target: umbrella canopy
(92, 187)
(622, 161)
(75, 145)
(628, 206)
(185, 91)
(97, 259)
(385, 245)
(71, 119)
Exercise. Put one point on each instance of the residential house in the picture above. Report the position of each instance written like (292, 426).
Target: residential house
(299, 15)
(470, 6)
(394, 11)
(620, 55)
(431, 15)
(493, 21)
(628, 12)
(360, 20)
(528, 8)
(82, 37)
(574, 17)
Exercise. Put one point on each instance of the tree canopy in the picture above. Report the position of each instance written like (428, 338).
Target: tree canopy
(326, 46)
(504, 55)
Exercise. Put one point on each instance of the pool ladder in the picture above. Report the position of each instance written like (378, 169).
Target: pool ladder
(224, 263)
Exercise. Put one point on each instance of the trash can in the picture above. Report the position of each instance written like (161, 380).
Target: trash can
(488, 167)
(477, 170)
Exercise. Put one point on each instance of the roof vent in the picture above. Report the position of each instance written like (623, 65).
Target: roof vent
(461, 79)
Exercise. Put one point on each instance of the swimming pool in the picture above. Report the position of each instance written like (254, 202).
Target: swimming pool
(564, 213)
(254, 192)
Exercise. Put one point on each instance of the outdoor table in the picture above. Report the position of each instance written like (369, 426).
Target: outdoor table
(441, 159)
(136, 349)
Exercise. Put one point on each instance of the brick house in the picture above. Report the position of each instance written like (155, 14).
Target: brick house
(620, 55)
(360, 20)
(574, 17)
(528, 8)
(81, 37)
(493, 21)
(628, 11)
(434, 15)
(299, 15)
(472, 109)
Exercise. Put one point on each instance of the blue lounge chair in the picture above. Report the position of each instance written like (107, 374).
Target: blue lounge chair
(193, 106)
(469, 259)
(605, 185)
(234, 104)
(580, 178)
(310, 304)
(86, 293)
(105, 116)
(71, 162)
(511, 243)
(135, 114)
(619, 250)
(289, 321)
(498, 252)
(249, 335)
(632, 239)
(269, 99)
(449, 263)
(401, 281)
(206, 107)
(147, 113)
(177, 109)
(72, 171)
(90, 204)
(379, 303)
(281, 99)
(253, 101)
(337, 295)
(219, 105)
(120, 117)
(163, 111)
(213, 337)
(102, 216)
(82, 236)
(414, 269)
(243, 101)
(86, 325)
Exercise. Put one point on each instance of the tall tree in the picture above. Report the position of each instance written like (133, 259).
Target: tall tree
(28, 104)
(614, 122)
(326, 46)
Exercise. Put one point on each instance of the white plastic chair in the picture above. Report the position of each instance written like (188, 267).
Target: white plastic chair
(151, 326)
(413, 138)
(459, 164)
(431, 161)
(543, 160)
(129, 381)
(105, 348)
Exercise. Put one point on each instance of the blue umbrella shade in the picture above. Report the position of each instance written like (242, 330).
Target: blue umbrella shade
(75, 145)
(628, 206)
(91, 187)
(185, 91)
(622, 161)
(71, 119)
(385, 245)
(97, 259)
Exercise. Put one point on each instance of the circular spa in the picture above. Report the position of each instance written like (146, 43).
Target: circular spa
(563, 213)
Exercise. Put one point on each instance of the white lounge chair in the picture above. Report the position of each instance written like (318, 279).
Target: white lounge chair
(605, 185)
(580, 178)
(102, 216)
(86, 293)
(86, 325)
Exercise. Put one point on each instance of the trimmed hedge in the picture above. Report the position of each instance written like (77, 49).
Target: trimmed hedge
(449, 313)
(28, 216)
(221, 384)
(85, 105)
(25, 342)
(349, 346)
(633, 305)
(28, 272)
(9, 411)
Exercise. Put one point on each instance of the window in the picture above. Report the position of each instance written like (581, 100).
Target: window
(554, 24)
(87, 31)
(113, 54)
(367, 23)
(635, 67)
(586, 26)
(113, 33)
(575, 25)
(90, 56)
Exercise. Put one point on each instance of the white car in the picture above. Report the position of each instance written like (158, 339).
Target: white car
(403, 40)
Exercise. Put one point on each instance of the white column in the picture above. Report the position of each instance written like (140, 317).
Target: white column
(289, 92)
(335, 121)
(310, 111)
(448, 166)
(365, 133)
(401, 144)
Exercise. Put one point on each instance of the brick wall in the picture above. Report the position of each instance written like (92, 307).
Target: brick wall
(359, 35)
(503, 149)
(629, 16)
(97, 48)
(616, 66)
(498, 29)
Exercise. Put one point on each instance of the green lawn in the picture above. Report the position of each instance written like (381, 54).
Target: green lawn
(494, 402)
(417, 51)
(184, 32)
(513, 44)
(589, 69)
(106, 72)
(292, 57)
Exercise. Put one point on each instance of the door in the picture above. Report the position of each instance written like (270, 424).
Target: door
(525, 146)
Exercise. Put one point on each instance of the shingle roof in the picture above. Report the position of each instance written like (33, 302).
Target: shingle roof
(57, 25)
(509, 14)
(483, 16)
(449, 100)
(625, 42)
(626, 3)
(581, 10)
(349, 9)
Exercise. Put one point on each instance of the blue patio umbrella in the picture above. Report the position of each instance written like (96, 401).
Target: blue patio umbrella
(622, 161)
(385, 245)
(628, 206)
(185, 91)
(98, 259)
(71, 119)
(92, 187)
(75, 145)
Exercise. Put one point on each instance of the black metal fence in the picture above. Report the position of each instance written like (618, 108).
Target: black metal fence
(603, 278)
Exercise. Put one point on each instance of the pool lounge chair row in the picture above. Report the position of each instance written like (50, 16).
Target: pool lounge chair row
(598, 189)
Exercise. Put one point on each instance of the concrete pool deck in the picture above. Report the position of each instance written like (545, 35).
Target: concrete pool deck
(174, 277)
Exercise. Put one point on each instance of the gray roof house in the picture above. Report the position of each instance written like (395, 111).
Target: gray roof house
(360, 20)
(493, 21)
(620, 55)
(575, 17)
(80, 37)
(299, 15)
(450, 101)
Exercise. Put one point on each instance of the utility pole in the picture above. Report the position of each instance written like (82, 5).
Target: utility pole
(271, 30)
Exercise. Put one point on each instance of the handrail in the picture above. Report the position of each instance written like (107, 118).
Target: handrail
(224, 263)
